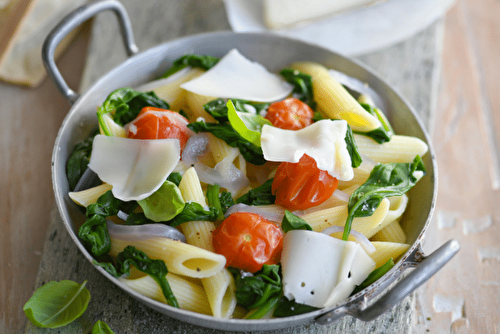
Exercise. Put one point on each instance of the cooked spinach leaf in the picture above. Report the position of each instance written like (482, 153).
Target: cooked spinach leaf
(262, 195)
(225, 131)
(175, 178)
(126, 103)
(293, 222)
(219, 200)
(258, 292)
(154, 268)
(383, 133)
(247, 125)
(56, 304)
(385, 180)
(288, 308)
(79, 160)
(302, 85)
(352, 148)
(374, 275)
(200, 61)
(164, 204)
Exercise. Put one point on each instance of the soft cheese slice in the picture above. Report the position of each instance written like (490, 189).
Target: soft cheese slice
(324, 141)
(235, 76)
(135, 168)
(320, 270)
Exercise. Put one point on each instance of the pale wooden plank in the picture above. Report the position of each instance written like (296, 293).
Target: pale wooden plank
(464, 297)
(30, 121)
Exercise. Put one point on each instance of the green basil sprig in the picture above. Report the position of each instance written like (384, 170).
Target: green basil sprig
(385, 180)
(56, 304)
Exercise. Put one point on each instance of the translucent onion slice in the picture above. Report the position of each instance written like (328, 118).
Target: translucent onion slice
(360, 238)
(196, 146)
(135, 168)
(142, 232)
(237, 77)
(341, 195)
(270, 212)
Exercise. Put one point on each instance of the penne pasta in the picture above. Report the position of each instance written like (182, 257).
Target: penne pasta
(396, 209)
(398, 149)
(89, 196)
(337, 216)
(391, 233)
(334, 101)
(190, 295)
(180, 258)
(387, 250)
(219, 287)
(195, 103)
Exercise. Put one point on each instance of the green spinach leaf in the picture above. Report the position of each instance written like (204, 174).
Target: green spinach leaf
(164, 204)
(247, 125)
(293, 222)
(374, 275)
(262, 195)
(260, 291)
(56, 304)
(219, 200)
(302, 83)
(352, 148)
(126, 103)
(200, 61)
(79, 160)
(288, 308)
(384, 132)
(385, 180)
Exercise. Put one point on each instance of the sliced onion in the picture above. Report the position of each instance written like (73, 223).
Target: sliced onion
(196, 146)
(142, 232)
(225, 174)
(367, 163)
(270, 214)
(341, 195)
(360, 238)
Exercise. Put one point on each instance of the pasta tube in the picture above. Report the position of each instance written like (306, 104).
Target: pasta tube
(398, 149)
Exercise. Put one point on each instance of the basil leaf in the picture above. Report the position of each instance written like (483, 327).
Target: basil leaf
(164, 204)
(293, 222)
(56, 304)
(261, 195)
(225, 131)
(302, 84)
(385, 180)
(382, 134)
(100, 327)
(200, 61)
(288, 308)
(374, 275)
(154, 268)
(79, 160)
(260, 291)
(247, 125)
(352, 148)
(126, 103)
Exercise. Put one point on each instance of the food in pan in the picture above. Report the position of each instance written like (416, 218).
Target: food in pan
(232, 191)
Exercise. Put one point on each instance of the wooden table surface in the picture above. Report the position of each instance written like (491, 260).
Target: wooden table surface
(449, 72)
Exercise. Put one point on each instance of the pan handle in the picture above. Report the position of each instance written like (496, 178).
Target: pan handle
(72, 21)
(427, 267)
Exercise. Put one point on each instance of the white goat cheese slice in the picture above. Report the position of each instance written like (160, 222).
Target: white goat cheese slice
(324, 141)
(237, 77)
(316, 268)
(135, 168)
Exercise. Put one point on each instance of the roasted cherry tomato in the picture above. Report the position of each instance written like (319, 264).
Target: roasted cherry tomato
(248, 241)
(302, 185)
(290, 114)
(156, 123)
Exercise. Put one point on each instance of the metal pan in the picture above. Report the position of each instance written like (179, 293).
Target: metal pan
(275, 53)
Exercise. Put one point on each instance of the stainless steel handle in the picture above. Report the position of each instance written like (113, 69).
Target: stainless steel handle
(427, 267)
(72, 21)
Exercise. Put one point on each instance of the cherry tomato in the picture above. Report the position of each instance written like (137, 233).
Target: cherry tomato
(248, 241)
(290, 114)
(156, 123)
(302, 185)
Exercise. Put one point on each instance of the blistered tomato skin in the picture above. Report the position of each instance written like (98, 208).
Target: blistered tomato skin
(302, 185)
(290, 114)
(248, 241)
(156, 123)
